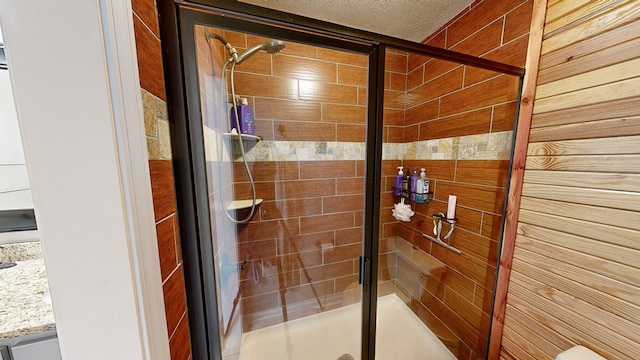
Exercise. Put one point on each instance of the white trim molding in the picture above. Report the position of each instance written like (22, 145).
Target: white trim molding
(134, 167)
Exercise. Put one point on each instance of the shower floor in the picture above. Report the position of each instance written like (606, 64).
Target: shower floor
(332, 334)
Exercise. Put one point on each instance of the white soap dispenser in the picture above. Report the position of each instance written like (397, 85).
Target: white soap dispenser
(422, 187)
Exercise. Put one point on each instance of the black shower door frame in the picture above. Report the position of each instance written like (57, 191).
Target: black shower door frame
(191, 186)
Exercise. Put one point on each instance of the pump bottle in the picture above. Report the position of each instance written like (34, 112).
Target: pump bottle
(245, 125)
(422, 187)
(397, 184)
(414, 184)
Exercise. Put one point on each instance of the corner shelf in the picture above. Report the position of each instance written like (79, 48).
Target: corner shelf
(242, 204)
(247, 137)
(249, 141)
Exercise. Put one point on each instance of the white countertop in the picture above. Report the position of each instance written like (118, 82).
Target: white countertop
(23, 309)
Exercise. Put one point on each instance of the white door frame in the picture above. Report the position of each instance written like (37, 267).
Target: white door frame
(75, 80)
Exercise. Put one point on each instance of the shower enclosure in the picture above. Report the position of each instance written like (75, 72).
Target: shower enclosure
(289, 246)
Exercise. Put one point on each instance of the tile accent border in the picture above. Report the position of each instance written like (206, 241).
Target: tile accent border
(490, 146)
(302, 151)
(156, 126)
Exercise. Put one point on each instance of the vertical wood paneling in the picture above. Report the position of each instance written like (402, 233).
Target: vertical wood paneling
(575, 269)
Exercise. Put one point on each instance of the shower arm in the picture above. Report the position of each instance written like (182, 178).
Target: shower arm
(271, 47)
(232, 51)
(248, 53)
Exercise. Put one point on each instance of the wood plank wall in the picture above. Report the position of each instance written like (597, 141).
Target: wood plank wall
(575, 275)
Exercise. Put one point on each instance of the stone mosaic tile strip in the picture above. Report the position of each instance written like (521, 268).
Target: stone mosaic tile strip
(493, 146)
(156, 124)
(302, 151)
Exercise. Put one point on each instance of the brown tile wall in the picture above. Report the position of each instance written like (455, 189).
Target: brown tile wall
(146, 32)
(306, 237)
(395, 88)
(303, 93)
(164, 203)
(445, 100)
(147, 35)
(461, 297)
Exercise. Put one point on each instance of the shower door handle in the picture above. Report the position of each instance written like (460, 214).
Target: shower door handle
(364, 270)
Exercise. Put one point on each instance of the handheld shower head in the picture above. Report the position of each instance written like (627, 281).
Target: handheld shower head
(271, 47)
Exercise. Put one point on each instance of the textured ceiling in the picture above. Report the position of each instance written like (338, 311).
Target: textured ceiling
(405, 19)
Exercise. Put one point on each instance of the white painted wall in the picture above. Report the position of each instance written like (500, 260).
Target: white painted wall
(15, 192)
(10, 143)
(75, 81)
(14, 181)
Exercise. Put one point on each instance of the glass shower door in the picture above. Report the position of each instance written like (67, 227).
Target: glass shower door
(286, 203)
(438, 265)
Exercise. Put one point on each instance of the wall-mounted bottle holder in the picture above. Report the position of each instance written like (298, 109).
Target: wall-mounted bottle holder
(426, 198)
(407, 195)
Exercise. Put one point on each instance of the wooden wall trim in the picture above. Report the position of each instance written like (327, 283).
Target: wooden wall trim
(517, 174)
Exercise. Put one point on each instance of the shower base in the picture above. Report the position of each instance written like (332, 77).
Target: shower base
(334, 333)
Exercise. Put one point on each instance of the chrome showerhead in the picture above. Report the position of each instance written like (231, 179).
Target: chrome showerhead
(274, 46)
(271, 47)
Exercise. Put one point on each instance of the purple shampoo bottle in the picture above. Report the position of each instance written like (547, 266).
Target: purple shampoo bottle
(414, 184)
(397, 184)
(245, 125)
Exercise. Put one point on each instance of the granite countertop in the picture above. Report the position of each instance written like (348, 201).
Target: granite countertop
(25, 305)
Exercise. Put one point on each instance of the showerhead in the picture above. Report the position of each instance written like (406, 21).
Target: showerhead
(274, 46)
(271, 47)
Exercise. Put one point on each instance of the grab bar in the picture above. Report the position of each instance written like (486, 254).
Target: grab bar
(443, 244)
(438, 219)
